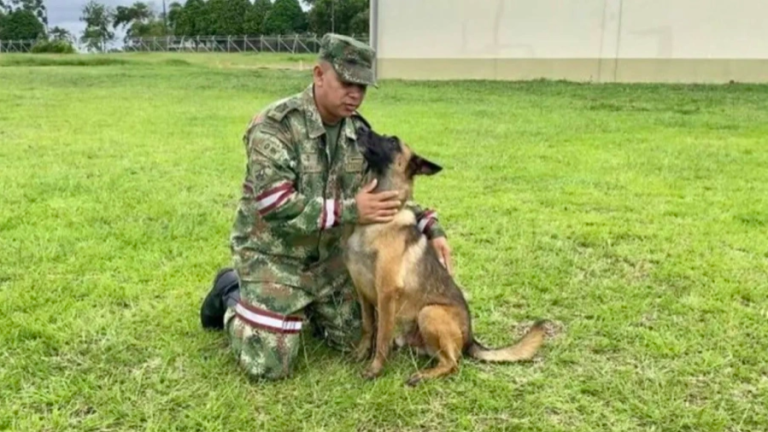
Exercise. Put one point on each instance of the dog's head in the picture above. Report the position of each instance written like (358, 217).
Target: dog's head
(392, 161)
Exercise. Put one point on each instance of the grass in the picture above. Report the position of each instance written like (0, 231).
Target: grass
(214, 60)
(633, 216)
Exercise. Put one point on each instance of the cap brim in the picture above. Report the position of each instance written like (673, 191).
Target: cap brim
(356, 74)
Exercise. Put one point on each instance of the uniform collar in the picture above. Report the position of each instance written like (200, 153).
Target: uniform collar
(349, 129)
(314, 122)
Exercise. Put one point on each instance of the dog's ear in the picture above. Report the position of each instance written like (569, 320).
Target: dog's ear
(420, 166)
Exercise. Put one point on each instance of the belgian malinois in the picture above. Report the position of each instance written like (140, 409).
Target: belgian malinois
(399, 278)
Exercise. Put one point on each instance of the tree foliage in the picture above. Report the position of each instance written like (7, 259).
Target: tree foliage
(21, 24)
(285, 17)
(60, 34)
(339, 16)
(22, 19)
(98, 20)
(227, 17)
(36, 7)
(27, 19)
(192, 20)
(174, 12)
(139, 20)
(256, 17)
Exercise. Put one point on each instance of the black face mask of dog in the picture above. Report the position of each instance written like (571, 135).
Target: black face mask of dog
(392, 162)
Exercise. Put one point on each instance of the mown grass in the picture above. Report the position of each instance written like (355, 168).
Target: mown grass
(134, 59)
(634, 217)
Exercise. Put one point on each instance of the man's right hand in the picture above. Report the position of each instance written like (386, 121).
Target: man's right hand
(376, 208)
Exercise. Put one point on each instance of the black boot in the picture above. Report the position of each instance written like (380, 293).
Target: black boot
(225, 292)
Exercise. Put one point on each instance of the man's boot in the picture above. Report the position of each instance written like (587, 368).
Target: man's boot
(225, 292)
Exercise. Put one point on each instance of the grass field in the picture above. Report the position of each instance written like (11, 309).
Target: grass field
(634, 217)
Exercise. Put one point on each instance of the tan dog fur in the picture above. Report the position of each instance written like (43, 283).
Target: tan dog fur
(406, 294)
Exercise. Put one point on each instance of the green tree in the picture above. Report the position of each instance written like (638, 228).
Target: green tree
(256, 16)
(140, 21)
(37, 7)
(60, 34)
(98, 20)
(21, 24)
(339, 16)
(285, 17)
(174, 13)
(193, 19)
(227, 17)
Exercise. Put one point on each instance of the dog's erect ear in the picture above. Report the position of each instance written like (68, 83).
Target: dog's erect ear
(420, 166)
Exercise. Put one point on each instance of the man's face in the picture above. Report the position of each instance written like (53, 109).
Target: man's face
(338, 98)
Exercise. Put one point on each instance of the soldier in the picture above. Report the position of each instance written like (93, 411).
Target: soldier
(304, 184)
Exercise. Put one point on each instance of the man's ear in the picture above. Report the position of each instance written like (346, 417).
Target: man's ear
(317, 75)
(420, 166)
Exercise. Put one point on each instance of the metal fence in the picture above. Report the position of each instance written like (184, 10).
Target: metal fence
(233, 44)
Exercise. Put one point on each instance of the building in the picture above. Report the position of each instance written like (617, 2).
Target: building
(580, 40)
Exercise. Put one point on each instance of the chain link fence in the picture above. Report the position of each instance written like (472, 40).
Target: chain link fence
(295, 44)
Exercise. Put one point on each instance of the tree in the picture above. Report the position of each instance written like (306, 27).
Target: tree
(193, 19)
(60, 34)
(174, 13)
(284, 17)
(339, 16)
(256, 16)
(37, 7)
(98, 19)
(140, 21)
(21, 24)
(2, 17)
(126, 15)
(227, 16)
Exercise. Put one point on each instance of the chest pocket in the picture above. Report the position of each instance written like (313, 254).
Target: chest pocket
(311, 171)
(353, 163)
(352, 172)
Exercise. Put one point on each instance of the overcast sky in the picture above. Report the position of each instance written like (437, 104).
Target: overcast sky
(66, 13)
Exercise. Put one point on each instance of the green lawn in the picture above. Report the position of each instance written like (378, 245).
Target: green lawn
(633, 217)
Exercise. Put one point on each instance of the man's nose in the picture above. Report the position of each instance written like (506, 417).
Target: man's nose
(356, 91)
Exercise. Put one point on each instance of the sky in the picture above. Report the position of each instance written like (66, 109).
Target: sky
(66, 13)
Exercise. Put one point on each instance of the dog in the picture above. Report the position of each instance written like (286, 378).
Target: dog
(407, 296)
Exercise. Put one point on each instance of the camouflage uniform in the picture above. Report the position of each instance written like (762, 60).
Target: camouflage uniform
(297, 198)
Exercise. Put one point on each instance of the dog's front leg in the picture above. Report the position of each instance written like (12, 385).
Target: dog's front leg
(364, 347)
(387, 300)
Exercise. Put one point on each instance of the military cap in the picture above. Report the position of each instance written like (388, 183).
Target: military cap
(351, 59)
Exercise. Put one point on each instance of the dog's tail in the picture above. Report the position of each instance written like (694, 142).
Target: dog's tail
(524, 349)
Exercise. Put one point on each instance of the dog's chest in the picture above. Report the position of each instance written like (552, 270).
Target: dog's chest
(361, 262)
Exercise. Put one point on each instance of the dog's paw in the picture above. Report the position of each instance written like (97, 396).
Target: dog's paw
(414, 380)
(363, 351)
(372, 372)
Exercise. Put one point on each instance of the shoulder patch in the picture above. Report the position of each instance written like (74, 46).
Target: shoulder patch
(279, 111)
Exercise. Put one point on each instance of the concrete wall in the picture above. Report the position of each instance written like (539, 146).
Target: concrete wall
(583, 40)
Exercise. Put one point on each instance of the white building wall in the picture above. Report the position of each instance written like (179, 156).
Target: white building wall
(596, 40)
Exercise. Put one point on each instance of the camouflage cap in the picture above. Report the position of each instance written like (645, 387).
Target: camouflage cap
(351, 59)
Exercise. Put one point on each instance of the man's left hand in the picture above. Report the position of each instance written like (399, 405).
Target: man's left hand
(443, 252)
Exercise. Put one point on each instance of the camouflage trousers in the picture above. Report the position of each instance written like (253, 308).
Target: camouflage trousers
(266, 326)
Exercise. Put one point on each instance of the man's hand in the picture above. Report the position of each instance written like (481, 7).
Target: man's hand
(380, 207)
(443, 252)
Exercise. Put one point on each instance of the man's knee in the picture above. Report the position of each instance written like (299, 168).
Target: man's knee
(339, 323)
(261, 353)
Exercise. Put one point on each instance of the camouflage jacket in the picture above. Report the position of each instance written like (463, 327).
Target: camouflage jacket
(297, 197)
